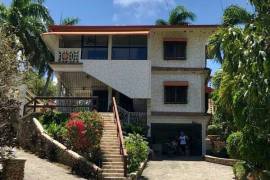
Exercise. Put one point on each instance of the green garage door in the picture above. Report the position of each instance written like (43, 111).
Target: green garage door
(163, 133)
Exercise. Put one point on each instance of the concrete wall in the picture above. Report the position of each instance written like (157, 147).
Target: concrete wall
(196, 41)
(130, 77)
(196, 97)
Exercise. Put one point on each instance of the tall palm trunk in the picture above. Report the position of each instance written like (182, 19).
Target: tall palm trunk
(44, 91)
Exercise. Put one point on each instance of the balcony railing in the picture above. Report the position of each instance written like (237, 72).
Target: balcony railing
(68, 55)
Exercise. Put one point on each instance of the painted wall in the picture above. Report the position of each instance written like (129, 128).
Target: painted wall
(196, 41)
(195, 92)
(130, 77)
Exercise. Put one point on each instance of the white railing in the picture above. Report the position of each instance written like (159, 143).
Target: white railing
(68, 55)
(131, 117)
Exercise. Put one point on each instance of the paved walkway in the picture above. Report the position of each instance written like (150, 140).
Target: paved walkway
(41, 169)
(186, 170)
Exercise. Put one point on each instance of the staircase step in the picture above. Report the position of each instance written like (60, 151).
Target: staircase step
(113, 175)
(112, 166)
(114, 170)
(112, 159)
(114, 178)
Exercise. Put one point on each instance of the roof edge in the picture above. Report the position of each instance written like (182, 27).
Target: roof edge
(67, 28)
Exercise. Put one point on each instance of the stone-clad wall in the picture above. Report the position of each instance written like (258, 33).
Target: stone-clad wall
(31, 136)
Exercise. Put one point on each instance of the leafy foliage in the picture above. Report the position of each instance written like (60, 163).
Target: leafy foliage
(214, 129)
(233, 144)
(35, 83)
(84, 132)
(137, 149)
(240, 170)
(244, 92)
(178, 15)
(140, 127)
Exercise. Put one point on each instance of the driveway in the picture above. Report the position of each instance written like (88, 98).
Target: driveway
(41, 169)
(186, 169)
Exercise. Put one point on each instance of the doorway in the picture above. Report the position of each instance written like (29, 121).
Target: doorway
(102, 100)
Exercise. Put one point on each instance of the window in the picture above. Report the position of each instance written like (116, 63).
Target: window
(175, 50)
(70, 42)
(95, 47)
(175, 94)
(129, 47)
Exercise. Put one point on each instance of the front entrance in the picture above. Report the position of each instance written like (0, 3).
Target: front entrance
(162, 133)
(102, 100)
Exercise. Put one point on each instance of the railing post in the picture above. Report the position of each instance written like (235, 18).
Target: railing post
(125, 166)
(35, 103)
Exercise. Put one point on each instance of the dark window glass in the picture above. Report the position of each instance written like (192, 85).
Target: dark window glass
(95, 47)
(70, 42)
(174, 50)
(175, 94)
(129, 47)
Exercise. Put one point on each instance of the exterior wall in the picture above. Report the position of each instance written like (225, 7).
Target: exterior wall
(130, 77)
(196, 41)
(196, 96)
(203, 120)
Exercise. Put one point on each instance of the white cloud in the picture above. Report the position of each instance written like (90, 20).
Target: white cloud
(141, 8)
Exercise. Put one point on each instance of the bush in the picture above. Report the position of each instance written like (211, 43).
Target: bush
(137, 149)
(214, 129)
(233, 144)
(84, 132)
(240, 170)
(136, 128)
(53, 117)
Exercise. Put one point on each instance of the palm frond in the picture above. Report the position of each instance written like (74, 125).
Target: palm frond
(70, 21)
(234, 15)
(180, 15)
(161, 22)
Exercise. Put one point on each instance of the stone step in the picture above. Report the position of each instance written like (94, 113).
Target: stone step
(112, 166)
(114, 170)
(114, 178)
(116, 159)
(113, 163)
(113, 175)
(111, 151)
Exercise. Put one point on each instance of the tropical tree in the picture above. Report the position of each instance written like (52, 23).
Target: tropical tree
(27, 19)
(69, 21)
(244, 90)
(178, 15)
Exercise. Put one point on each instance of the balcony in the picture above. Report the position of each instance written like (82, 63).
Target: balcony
(68, 56)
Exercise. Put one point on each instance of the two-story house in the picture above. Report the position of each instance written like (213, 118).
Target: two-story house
(158, 70)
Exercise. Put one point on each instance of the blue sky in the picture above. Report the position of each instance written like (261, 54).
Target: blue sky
(134, 12)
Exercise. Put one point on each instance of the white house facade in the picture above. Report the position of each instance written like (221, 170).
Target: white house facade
(158, 71)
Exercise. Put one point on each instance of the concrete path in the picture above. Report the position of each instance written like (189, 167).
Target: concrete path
(41, 169)
(186, 169)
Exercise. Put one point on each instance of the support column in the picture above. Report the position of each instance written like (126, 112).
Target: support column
(110, 47)
(109, 97)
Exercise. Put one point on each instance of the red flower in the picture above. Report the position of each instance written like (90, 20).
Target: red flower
(74, 115)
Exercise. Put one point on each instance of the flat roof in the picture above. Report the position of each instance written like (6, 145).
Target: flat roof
(69, 28)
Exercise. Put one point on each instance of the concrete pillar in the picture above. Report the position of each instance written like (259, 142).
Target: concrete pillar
(109, 97)
(110, 47)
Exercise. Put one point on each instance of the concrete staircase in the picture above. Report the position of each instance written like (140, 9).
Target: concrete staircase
(112, 163)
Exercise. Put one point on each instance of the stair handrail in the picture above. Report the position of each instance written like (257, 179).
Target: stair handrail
(120, 135)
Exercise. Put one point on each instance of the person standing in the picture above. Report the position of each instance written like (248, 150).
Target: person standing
(183, 142)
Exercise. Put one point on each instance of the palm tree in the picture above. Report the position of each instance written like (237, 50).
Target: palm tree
(178, 15)
(69, 21)
(233, 15)
(27, 19)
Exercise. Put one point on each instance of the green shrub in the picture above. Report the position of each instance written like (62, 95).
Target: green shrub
(137, 149)
(57, 131)
(234, 144)
(240, 170)
(53, 117)
(214, 129)
(136, 128)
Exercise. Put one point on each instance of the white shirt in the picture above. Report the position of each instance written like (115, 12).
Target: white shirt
(182, 140)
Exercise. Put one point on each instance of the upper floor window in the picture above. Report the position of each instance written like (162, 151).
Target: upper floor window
(95, 47)
(175, 50)
(70, 42)
(175, 92)
(132, 47)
